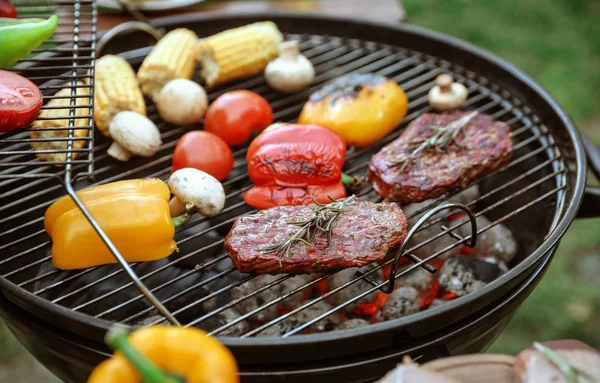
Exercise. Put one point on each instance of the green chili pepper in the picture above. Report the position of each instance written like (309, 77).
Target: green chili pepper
(18, 37)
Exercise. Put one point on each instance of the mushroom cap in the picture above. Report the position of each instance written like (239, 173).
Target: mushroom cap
(135, 133)
(191, 185)
(447, 94)
(182, 102)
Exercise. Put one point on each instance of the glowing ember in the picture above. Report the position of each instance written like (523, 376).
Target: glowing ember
(371, 308)
(429, 295)
(448, 296)
(386, 270)
(321, 286)
(457, 216)
(466, 250)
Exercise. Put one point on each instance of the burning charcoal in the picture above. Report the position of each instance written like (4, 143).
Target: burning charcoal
(268, 295)
(150, 320)
(419, 279)
(326, 324)
(352, 323)
(354, 289)
(437, 302)
(279, 328)
(228, 316)
(466, 196)
(402, 302)
(462, 275)
(496, 242)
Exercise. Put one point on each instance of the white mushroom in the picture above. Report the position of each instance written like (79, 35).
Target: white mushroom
(447, 94)
(182, 102)
(291, 71)
(195, 190)
(133, 134)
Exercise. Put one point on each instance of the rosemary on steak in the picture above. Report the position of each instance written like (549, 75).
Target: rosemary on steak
(322, 221)
(443, 138)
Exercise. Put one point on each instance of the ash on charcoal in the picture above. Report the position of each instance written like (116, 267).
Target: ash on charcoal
(326, 324)
(351, 291)
(150, 320)
(466, 196)
(437, 302)
(402, 302)
(352, 323)
(462, 275)
(496, 242)
(268, 295)
(419, 279)
(227, 316)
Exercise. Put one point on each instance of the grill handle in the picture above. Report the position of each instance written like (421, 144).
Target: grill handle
(590, 205)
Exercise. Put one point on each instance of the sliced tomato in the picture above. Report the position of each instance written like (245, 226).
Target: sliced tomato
(235, 115)
(203, 151)
(20, 101)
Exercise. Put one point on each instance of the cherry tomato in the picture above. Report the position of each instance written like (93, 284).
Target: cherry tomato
(20, 101)
(234, 115)
(204, 151)
(7, 9)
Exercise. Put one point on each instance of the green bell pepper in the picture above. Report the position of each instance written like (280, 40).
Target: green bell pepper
(18, 37)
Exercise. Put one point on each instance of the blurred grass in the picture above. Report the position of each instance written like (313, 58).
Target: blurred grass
(557, 42)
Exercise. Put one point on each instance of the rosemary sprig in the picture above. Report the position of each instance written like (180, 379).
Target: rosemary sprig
(441, 140)
(572, 373)
(322, 221)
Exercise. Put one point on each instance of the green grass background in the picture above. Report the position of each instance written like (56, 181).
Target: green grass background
(557, 42)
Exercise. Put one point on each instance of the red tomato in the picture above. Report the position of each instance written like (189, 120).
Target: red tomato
(7, 9)
(203, 151)
(20, 101)
(235, 115)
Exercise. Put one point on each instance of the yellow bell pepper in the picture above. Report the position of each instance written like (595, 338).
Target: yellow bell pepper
(362, 108)
(134, 214)
(164, 354)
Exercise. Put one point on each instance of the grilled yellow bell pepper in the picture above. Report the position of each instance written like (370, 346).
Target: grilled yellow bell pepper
(362, 108)
(134, 214)
(164, 354)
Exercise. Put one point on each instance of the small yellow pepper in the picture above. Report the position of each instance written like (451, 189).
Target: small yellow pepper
(164, 354)
(134, 214)
(362, 108)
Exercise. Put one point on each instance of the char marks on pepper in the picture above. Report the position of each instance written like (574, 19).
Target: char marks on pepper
(347, 86)
(363, 233)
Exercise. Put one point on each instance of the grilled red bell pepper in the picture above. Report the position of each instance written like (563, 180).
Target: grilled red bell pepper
(291, 163)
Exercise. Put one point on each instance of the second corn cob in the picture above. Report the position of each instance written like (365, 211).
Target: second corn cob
(116, 91)
(238, 52)
(170, 59)
(56, 115)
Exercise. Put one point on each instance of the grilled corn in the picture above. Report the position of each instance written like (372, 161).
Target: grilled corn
(238, 52)
(116, 91)
(61, 107)
(170, 59)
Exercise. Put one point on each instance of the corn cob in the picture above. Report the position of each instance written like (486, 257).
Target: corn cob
(116, 91)
(238, 52)
(170, 59)
(65, 103)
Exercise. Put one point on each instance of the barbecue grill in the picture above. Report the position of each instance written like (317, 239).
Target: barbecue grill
(61, 317)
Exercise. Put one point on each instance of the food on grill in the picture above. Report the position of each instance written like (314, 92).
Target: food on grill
(495, 244)
(342, 296)
(133, 135)
(195, 190)
(20, 101)
(438, 153)
(401, 302)
(558, 361)
(447, 94)
(18, 37)
(203, 151)
(291, 71)
(237, 53)
(182, 102)
(352, 323)
(171, 58)
(235, 115)
(154, 353)
(134, 214)
(116, 90)
(293, 164)
(462, 275)
(362, 108)
(310, 239)
(48, 118)
(7, 9)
